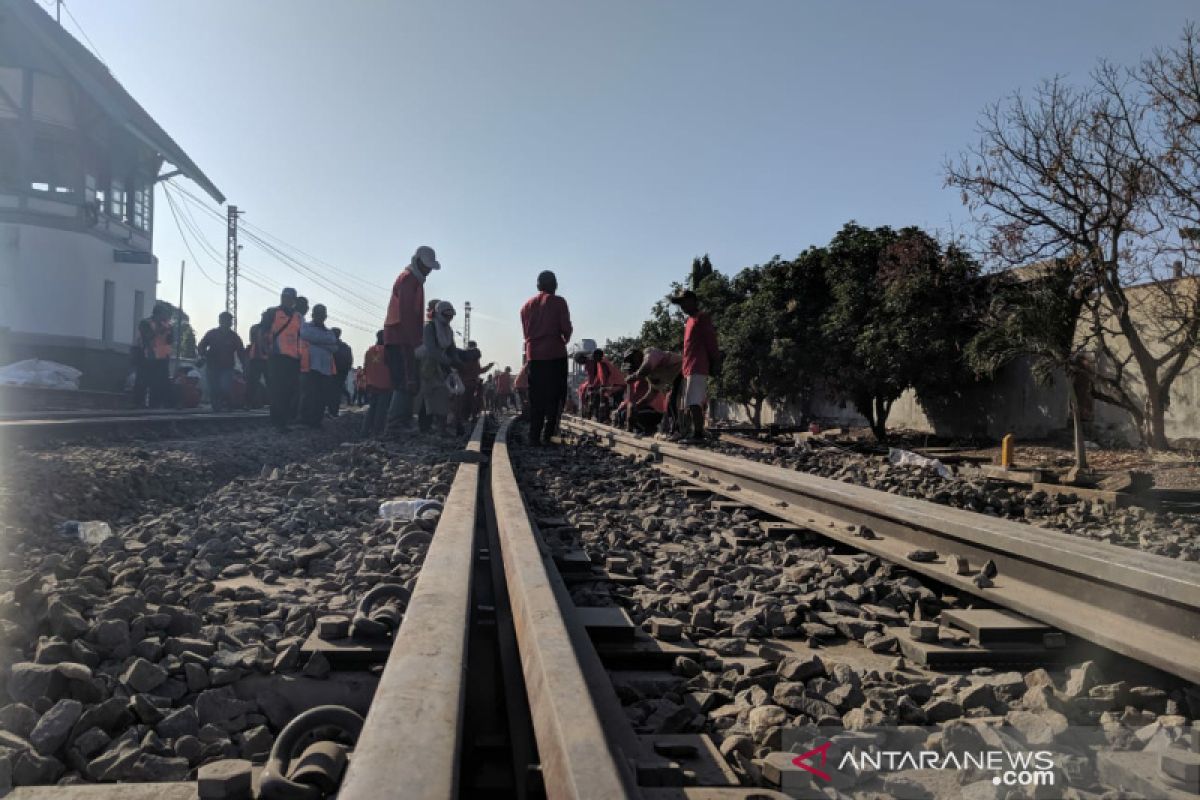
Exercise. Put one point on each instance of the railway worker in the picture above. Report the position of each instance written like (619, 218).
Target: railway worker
(280, 326)
(609, 386)
(255, 366)
(377, 384)
(402, 334)
(321, 370)
(339, 386)
(437, 356)
(701, 359)
(584, 391)
(470, 402)
(646, 403)
(221, 348)
(489, 393)
(298, 397)
(504, 390)
(546, 323)
(153, 359)
(663, 371)
(186, 388)
(521, 390)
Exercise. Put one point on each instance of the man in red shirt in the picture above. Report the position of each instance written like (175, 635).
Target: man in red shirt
(701, 358)
(377, 383)
(609, 385)
(402, 334)
(546, 321)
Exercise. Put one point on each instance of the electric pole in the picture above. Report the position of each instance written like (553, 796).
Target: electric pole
(466, 322)
(231, 264)
(179, 316)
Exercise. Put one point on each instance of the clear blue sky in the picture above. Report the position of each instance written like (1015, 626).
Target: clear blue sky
(610, 141)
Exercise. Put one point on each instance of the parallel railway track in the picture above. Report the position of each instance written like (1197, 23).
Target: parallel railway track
(1139, 605)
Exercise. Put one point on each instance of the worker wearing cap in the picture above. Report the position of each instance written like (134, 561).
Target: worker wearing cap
(701, 358)
(546, 322)
(403, 334)
(280, 327)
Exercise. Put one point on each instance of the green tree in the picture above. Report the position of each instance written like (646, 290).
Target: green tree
(901, 309)
(1035, 317)
(187, 338)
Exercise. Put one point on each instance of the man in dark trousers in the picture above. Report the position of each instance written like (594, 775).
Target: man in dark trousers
(281, 324)
(343, 360)
(155, 337)
(403, 333)
(546, 321)
(219, 348)
(701, 359)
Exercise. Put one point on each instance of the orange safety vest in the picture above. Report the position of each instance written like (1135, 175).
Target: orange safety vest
(305, 356)
(374, 372)
(285, 330)
(160, 343)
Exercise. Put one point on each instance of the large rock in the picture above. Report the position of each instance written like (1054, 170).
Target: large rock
(54, 727)
(180, 722)
(220, 705)
(29, 681)
(142, 676)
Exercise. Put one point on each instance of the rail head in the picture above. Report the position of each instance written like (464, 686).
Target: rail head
(412, 738)
(579, 761)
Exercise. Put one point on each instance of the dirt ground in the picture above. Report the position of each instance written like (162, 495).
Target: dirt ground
(1175, 469)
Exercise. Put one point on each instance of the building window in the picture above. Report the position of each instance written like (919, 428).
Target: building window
(141, 208)
(139, 309)
(110, 299)
(116, 203)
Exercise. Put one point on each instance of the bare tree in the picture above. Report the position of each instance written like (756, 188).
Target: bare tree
(1075, 174)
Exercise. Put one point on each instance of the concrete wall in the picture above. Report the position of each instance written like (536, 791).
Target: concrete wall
(52, 300)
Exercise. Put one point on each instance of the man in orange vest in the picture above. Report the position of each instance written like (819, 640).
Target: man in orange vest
(155, 337)
(377, 383)
(281, 327)
(403, 331)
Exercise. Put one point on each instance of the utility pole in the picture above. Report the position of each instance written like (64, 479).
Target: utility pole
(179, 315)
(231, 264)
(58, 12)
(466, 322)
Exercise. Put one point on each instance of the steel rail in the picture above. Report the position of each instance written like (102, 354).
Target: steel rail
(579, 760)
(60, 428)
(412, 736)
(1140, 605)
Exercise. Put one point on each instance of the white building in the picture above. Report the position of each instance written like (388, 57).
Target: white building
(78, 162)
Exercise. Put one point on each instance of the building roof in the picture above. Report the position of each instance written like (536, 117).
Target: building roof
(95, 79)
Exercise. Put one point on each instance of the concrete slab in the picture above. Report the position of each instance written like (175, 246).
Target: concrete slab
(606, 623)
(695, 753)
(996, 625)
(350, 652)
(644, 652)
(945, 654)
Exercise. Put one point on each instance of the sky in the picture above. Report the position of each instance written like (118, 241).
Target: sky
(610, 141)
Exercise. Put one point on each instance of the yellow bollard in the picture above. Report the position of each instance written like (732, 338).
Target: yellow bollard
(1006, 451)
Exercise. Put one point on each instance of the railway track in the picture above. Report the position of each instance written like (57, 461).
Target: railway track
(64, 426)
(1139, 605)
(491, 687)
